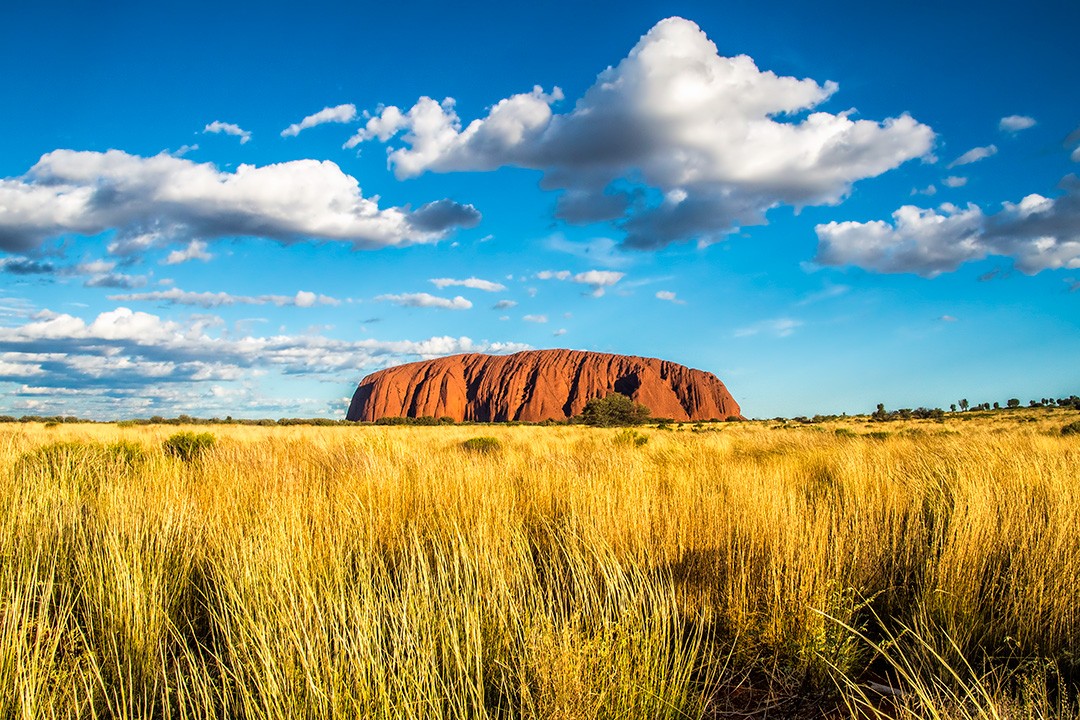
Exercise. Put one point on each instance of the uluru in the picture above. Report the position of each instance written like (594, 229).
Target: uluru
(538, 385)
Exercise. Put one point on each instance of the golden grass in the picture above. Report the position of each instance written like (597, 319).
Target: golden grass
(568, 573)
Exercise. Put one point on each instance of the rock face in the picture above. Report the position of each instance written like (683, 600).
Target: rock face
(538, 385)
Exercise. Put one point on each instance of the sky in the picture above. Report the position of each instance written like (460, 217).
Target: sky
(242, 209)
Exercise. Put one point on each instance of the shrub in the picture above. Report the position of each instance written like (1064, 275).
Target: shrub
(127, 453)
(631, 437)
(481, 444)
(613, 411)
(1072, 428)
(188, 446)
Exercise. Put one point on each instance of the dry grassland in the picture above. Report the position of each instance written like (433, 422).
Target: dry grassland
(746, 570)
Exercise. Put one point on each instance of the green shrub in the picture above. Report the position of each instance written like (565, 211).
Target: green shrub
(481, 444)
(188, 446)
(631, 437)
(1072, 428)
(127, 453)
(613, 411)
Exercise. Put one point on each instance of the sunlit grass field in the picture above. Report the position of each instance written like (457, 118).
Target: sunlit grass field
(845, 569)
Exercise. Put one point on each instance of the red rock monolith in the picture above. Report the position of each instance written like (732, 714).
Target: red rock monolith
(538, 385)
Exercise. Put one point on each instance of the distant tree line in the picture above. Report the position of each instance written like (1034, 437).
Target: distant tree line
(615, 410)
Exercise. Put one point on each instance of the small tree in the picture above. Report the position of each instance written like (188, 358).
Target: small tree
(964, 404)
(1013, 402)
(614, 410)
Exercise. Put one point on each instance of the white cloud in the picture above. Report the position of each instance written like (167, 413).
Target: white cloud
(151, 201)
(954, 182)
(535, 318)
(1016, 123)
(669, 296)
(926, 242)
(948, 318)
(118, 281)
(124, 362)
(176, 296)
(425, 300)
(94, 267)
(228, 129)
(560, 332)
(599, 280)
(777, 327)
(195, 250)
(974, 155)
(1038, 233)
(553, 275)
(504, 305)
(720, 139)
(472, 282)
(338, 114)
(928, 190)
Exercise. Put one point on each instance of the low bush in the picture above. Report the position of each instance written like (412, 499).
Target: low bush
(631, 437)
(481, 444)
(614, 410)
(1072, 428)
(188, 446)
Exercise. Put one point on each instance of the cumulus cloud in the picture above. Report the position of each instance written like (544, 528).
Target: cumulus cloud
(974, 155)
(535, 318)
(130, 356)
(718, 139)
(155, 200)
(504, 305)
(954, 182)
(559, 333)
(195, 250)
(228, 129)
(426, 300)
(1016, 123)
(337, 114)
(599, 280)
(474, 283)
(1038, 233)
(176, 296)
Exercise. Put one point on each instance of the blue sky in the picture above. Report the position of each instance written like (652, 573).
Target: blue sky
(243, 210)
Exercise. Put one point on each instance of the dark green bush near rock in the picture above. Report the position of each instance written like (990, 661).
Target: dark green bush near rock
(481, 444)
(615, 410)
(188, 446)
